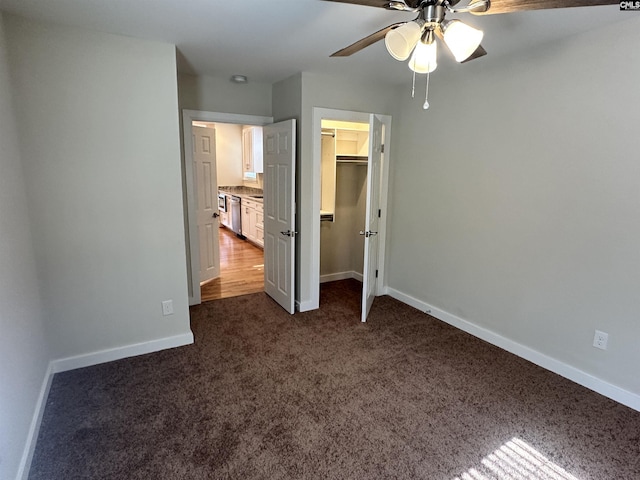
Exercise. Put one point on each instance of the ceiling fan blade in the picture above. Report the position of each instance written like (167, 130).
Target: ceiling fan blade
(480, 52)
(408, 5)
(369, 3)
(508, 6)
(364, 42)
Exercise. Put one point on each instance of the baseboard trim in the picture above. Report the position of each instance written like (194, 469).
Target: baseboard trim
(333, 277)
(109, 355)
(574, 374)
(34, 428)
(80, 361)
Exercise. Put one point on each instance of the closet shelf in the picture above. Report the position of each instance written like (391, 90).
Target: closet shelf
(359, 160)
(326, 216)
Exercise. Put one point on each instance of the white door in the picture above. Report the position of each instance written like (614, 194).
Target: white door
(370, 274)
(279, 141)
(205, 180)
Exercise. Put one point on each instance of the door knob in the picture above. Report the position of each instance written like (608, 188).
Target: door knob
(367, 234)
(288, 233)
(215, 215)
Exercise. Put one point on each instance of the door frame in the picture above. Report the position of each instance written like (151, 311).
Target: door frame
(320, 113)
(191, 224)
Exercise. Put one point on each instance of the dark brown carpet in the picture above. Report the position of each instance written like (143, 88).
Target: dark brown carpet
(318, 395)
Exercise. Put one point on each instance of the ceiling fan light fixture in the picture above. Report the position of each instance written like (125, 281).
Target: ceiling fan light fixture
(425, 55)
(461, 39)
(402, 40)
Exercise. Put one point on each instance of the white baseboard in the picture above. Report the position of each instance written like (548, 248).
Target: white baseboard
(109, 355)
(574, 374)
(79, 361)
(333, 277)
(34, 428)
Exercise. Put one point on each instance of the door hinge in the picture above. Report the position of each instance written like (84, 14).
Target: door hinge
(379, 213)
(382, 148)
(376, 273)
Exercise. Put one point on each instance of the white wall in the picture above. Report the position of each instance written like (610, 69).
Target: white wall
(516, 200)
(98, 117)
(24, 353)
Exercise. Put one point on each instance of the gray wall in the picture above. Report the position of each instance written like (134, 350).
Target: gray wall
(24, 353)
(516, 200)
(216, 94)
(341, 246)
(99, 144)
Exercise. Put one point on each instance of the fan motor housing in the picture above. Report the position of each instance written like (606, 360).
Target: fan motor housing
(433, 12)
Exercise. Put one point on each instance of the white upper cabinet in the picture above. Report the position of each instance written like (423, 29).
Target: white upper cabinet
(252, 149)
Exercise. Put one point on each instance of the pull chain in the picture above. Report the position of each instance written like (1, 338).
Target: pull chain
(413, 86)
(426, 95)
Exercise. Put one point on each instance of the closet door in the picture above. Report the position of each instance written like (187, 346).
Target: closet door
(370, 273)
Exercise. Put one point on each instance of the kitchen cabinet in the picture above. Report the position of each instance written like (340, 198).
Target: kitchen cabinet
(252, 150)
(253, 221)
(224, 219)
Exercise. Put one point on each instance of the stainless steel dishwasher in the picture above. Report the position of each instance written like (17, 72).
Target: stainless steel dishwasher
(236, 219)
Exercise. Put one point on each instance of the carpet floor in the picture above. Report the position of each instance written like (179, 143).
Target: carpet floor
(318, 395)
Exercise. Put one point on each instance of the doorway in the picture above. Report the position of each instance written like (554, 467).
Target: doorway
(242, 259)
(345, 151)
(358, 141)
(239, 256)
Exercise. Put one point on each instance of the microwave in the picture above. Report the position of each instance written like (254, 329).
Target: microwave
(222, 202)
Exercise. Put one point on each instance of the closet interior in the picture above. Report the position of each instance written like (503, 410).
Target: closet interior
(345, 151)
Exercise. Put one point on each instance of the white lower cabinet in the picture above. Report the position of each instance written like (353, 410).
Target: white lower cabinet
(259, 226)
(252, 221)
(224, 219)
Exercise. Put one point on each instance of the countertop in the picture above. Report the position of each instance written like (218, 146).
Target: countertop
(250, 193)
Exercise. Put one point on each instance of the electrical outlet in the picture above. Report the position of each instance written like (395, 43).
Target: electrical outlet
(600, 340)
(167, 307)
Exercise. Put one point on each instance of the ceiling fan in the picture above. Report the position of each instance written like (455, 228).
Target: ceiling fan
(417, 38)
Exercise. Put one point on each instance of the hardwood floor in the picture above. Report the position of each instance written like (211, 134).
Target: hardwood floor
(241, 269)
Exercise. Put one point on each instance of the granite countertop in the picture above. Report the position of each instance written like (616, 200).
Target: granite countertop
(241, 191)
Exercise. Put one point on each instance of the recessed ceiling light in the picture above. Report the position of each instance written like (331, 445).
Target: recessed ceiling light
(239, 78)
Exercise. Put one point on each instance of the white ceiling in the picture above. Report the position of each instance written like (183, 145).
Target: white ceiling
(271, 40)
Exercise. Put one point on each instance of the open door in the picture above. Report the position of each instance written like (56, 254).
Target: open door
(370, 271)
(205, 180)
(279, 212)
